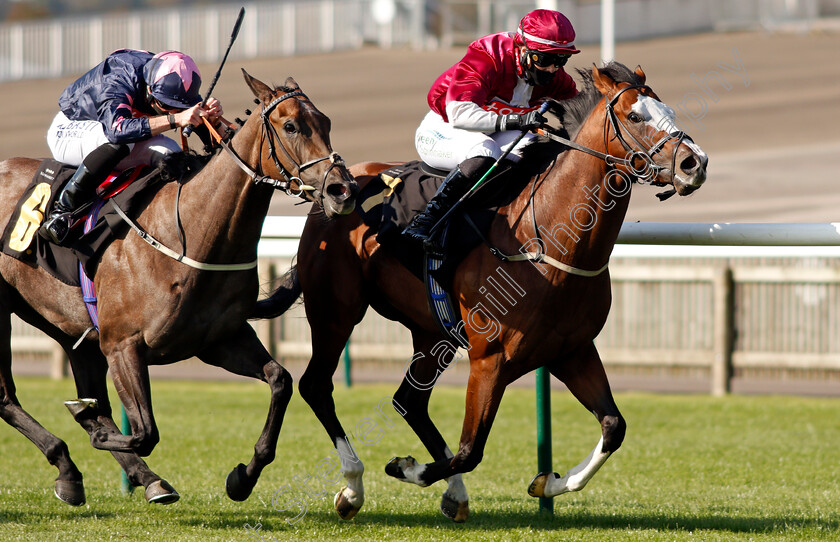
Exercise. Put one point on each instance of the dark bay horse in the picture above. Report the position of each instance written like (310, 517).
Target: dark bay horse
(518, 315)
(156, 310)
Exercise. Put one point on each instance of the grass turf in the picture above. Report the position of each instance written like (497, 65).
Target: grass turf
(691, 468)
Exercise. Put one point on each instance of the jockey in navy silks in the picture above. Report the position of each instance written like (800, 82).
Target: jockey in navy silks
(114, 117)
(480, 105)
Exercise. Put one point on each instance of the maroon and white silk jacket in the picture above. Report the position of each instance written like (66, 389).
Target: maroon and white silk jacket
(490, 77)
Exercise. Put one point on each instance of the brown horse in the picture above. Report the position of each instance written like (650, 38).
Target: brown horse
(517, 315)
(156, 310)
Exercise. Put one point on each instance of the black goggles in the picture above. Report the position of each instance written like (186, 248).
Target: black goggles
(544, 60)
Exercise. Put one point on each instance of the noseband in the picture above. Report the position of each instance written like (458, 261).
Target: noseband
(272, 139)
(650, 168)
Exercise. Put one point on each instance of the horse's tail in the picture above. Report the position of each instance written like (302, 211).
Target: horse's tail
(282, 299)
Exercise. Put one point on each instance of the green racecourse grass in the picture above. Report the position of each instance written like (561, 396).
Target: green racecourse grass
(691, 468)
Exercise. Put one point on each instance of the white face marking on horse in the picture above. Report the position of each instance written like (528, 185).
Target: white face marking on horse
(697, 150)
(657, 115)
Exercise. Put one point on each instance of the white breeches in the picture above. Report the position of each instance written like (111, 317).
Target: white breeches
(71, 140)
(444, 147)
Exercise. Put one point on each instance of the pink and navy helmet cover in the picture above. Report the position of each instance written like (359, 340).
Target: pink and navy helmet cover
(547, 31)
(173, 79)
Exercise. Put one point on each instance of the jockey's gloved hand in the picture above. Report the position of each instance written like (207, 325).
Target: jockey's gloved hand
(520, 121)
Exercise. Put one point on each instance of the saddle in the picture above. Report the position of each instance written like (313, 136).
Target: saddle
(20, 239)
(389, 202)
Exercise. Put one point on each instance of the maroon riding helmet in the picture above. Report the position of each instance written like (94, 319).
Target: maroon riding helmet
(549, 39)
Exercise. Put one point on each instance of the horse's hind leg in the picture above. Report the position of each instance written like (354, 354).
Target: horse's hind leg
(89, 371)
(432, 356)
(246, 356)
(68, 486)
(583, 373)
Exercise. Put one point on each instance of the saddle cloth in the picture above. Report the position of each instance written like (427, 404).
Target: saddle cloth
(389, 202)
(20, 239)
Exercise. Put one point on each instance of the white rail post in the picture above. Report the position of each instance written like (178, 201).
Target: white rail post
(265, 328)
(58, 365)
(723, 332)
(607, 30)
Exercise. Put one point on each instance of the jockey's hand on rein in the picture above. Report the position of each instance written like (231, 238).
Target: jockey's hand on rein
(520, 121)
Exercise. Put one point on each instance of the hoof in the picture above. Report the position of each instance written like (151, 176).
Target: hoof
(454, 510)
(537, 486)
(73, 493)
(160, 492)
(237, 484)
(397, 465)
(343, 506)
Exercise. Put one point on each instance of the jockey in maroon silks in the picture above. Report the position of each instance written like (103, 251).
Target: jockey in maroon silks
(480, 105)
(114, 116)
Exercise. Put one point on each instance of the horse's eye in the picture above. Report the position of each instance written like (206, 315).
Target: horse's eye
(290, 127)
(634, 117)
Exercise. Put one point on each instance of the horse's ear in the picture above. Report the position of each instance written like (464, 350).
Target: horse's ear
(291, 83)
(603, 83)
(640, 73)
(259, 88)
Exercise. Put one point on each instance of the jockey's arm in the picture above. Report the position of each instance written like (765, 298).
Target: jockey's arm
(212, 110)
(469, 116)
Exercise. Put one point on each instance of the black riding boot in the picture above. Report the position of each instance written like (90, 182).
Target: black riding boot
(79, 190)
(456, 184)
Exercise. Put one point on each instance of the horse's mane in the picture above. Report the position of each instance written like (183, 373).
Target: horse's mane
(574, 112)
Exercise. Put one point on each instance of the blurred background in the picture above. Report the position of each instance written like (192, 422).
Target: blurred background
(756, 83)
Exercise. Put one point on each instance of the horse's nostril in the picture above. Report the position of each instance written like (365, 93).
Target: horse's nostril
(688, 165)
(337, 191)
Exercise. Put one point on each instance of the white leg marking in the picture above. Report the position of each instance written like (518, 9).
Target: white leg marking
(413, 471)
(457, 490)
(353, 469)
(578, 476)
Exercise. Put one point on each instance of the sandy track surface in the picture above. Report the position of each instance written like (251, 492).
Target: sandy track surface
(763, 106)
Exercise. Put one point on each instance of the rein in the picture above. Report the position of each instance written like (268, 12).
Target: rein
(633, 154)
(611, 161)
(256, 177)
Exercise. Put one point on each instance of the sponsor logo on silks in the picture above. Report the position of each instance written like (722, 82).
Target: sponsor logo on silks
(48, 173)
(499, 106)
(31, 215)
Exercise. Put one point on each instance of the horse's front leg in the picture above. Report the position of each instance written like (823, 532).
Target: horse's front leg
(432, 356)
(484, 394)
(583, 373)
(332, 315)
(244, 355)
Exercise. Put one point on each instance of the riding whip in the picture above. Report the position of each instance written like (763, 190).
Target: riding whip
(236, 26)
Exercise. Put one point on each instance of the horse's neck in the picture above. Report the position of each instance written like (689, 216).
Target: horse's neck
(222, 203)
(580, 205)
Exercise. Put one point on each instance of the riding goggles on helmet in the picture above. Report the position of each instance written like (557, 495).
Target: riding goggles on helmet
(544, 60)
